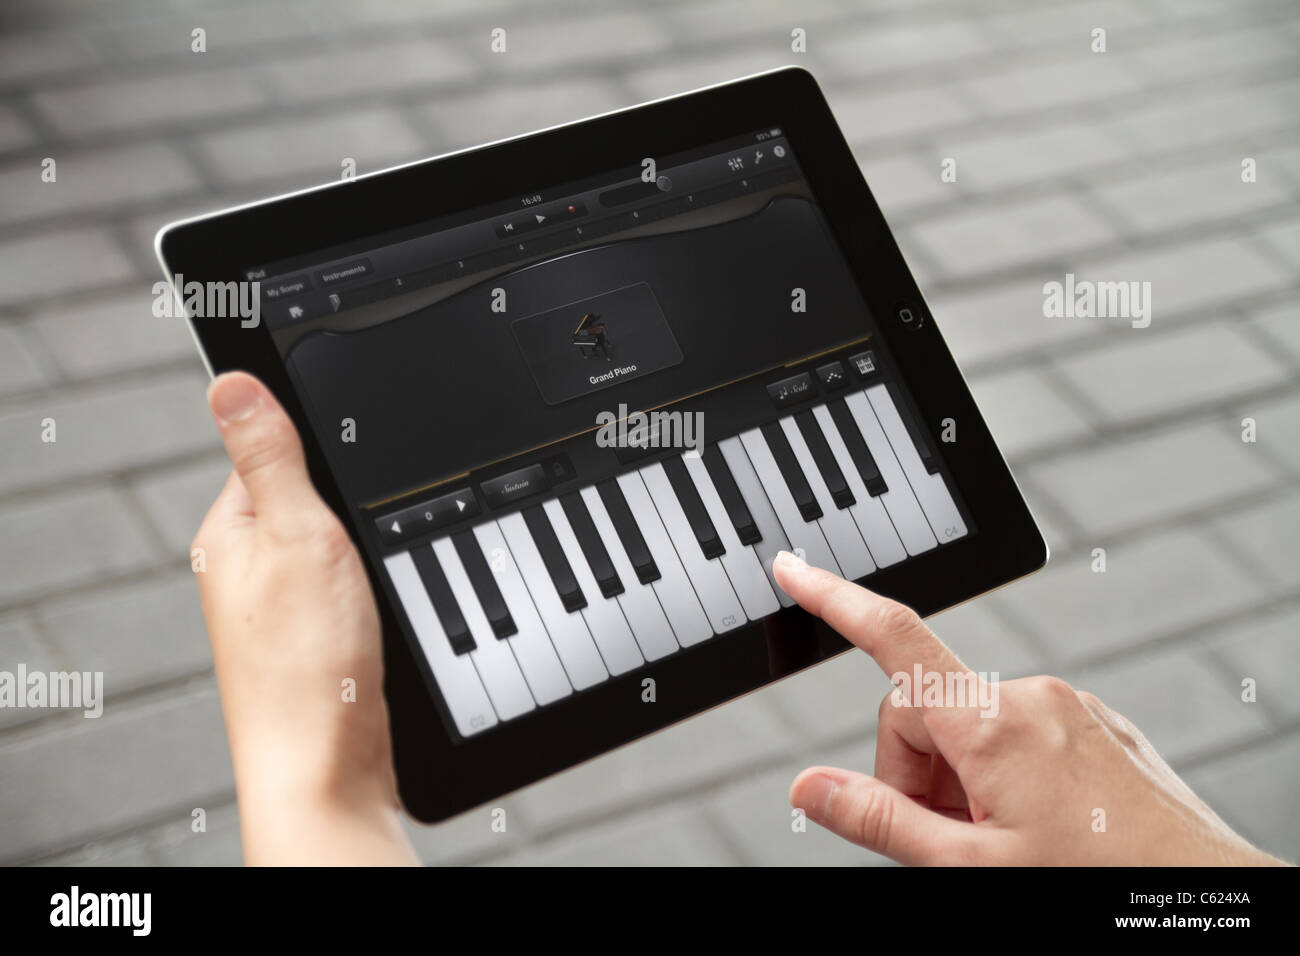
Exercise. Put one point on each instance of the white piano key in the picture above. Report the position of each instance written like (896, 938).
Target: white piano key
(676, 593)
(711, 584)
(930, 489)
(841, 530)
(905, 511)
(494, 659)
(873, 521)
(640, 605)
(569, 633)
(741, 563)
(805, 536)
(531, 644)
(604, 616)
(458, 681)
(760, 509)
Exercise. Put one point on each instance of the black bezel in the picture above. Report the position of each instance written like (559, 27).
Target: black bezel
(439, 777)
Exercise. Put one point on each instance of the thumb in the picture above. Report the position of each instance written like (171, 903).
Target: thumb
(865, 811)
(262, 444)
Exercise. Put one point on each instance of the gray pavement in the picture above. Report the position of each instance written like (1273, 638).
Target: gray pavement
(1123, 165)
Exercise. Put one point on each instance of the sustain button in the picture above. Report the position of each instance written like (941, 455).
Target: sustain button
(514, 486)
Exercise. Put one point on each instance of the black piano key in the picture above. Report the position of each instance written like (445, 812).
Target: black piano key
(620, 514)
(557, 565)
(725, 485)
(442, 599)
(688, 496)
(857, 446)
(584, 529)
(824, 458)
(485, 584)
(909, 422)
(788, 465)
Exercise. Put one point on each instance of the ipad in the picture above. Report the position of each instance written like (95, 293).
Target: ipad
(571, 393)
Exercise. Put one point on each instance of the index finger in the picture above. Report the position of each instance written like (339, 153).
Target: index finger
(892, 633)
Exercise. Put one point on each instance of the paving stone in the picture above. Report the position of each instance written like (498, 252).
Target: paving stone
(990, 161)
(1151, 477)
(1281, 323)
(1025, 413)
(1003, 321)
(177, 844)
(382, 68)
(118, 632)
(112, 334)
(1223, 50)
(20, 371)
(1179, 701)
(1277, 424)
(1154, 373)
(1028, 231)
(1285, 238)
(1069, 79)
(1267, 650)
(832, 699)
(1255, 792)
(94, 179)
(1188, 119)
(680, 76)
(15, 133)
(495, 114)
(67, 539)
(105, 430)
(1151, 587)
(880, 47)
(183, 96)
(19, 644)
(36, 266)
(675, 835)
(707, 748)
(30, 55)
(311, 150)
(176, 499)
(984, 643)
(146, 760)
(755, 815)
(870, 117)
(1267, 533)
(471, 837)
(1197, 275)
(900, 181)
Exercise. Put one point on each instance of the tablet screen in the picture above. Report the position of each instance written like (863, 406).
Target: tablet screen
(577, 424)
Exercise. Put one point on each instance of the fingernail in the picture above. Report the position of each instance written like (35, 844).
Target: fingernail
(789, 561)
(816, 792)
(233, 398)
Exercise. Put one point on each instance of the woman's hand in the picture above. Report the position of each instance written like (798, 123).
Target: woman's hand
(1050, 776)
(293, 627)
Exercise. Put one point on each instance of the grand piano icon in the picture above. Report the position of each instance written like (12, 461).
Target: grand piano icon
(590, 337)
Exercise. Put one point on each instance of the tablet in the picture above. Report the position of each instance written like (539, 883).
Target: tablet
(571, 393)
